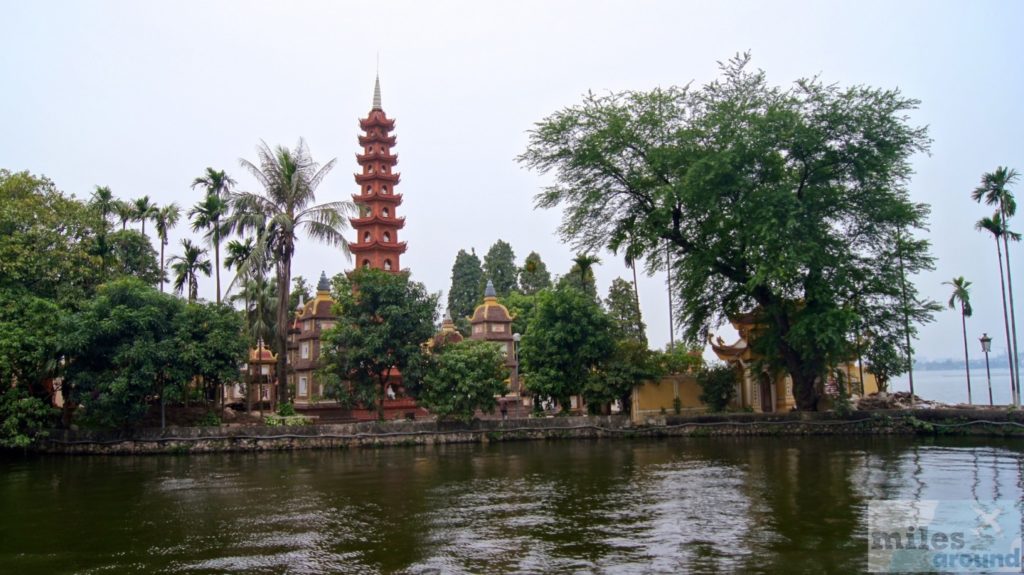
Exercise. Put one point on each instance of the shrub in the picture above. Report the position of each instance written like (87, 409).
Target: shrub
(718, 383)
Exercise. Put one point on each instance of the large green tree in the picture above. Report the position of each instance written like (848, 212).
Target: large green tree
(500, 267)
(382, 325)
(467, 286)
(463, 378)
(287, 206)
(621, 306)
(788, 201)
(534, 275)
(567, 339)
(211, 345)
(132, 254)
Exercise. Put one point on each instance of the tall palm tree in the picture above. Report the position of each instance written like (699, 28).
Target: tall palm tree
(962, 296)
(208, 215)
(103, 203)
(187, 268)
(995, 226)
(125, 212)
(994, 191)
(289, 179)
(238, 253)
(144, 210)
(165, 219)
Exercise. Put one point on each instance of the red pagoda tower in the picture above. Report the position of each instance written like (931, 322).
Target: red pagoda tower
(377, 224)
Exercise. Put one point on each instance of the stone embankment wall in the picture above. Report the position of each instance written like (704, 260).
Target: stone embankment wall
(382, 434)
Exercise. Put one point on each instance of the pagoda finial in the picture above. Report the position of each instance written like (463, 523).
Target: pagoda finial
(324, 284)
(376, 93)
(489, 290)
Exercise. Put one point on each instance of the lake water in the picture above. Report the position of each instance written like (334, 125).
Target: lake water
(701, 505)
(950, 386)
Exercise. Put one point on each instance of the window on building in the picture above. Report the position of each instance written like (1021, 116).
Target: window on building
(384, 190)
(384, 212)
(366, 264)
(387, 265)
(498, 327)
(478, 328)
(304, 350)
(387, 237)
(303, 386)
(366, 238)
(264, 370)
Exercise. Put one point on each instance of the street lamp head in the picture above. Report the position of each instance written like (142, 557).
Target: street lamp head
(516, 337)
(986, 343)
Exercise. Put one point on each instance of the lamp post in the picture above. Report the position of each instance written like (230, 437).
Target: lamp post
(986, 346)
(515, 358)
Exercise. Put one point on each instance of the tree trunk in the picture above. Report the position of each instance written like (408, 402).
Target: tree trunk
(216, 257)
(1015, 374)
(1006, 315)
(967, 360)
(162, 271)
(284, 268)
(163, 409)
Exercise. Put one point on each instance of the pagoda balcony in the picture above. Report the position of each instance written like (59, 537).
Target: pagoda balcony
(377, 121)
(383, 157)
(388, 141)
(396, 223)
(392, 199)
(391, 178)
(360, 247)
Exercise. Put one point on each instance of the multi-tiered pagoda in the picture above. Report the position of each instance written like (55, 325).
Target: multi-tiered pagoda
(377, 225)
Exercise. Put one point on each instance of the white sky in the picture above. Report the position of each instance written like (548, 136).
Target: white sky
(142, 96)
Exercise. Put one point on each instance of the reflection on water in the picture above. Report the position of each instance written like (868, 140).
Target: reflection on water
(698, 505)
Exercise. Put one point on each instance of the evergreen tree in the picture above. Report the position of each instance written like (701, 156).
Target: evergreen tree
(621, 306)
(467, 286)
(500, 268)
(534, 275)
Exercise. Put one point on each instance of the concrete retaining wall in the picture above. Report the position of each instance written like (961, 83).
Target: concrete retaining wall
(382, 434)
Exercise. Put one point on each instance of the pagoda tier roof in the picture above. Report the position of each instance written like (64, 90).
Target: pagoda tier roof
(357, 248)
(727, 352)
(391, 178)
(386, 158)
(393, 199)
(387, 140)
(397, 223)
(377, 118)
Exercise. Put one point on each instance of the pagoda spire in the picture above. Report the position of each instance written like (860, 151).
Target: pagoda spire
(376, 94)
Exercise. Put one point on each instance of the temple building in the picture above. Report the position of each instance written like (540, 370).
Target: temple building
(765, 391)
(258, 377)
(311, 319)
(377, 225)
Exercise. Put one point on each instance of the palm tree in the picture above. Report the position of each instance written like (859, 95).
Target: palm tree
(208, 215)
(993, 190)
(187, 268)
(165, 219)
(962, 295)
(995, 226)
(125, 212)
(143, 210)
(104, 203)
(289, 179)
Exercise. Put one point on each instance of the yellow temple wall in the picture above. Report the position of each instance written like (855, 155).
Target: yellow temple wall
(654, 398)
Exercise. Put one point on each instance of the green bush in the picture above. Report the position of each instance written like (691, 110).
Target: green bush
(209, 419)
(718, 383)
(286, 410)
(22, 418)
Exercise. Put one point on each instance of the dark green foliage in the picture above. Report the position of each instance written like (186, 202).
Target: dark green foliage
(567, 339)
(211, 344)
(629, 364)
(23, 418)
(718, 383)
(467, 286)
(382, 325)
(122, 352)
(132, 254)
(621, 306)
(29, 340)
(581, 275)
(680, 359)
(463, 378)
(520, 307)
(534, 275)
(790, 201)
(500, 267)
(286, 410)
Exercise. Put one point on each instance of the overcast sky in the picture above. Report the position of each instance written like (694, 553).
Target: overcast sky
(143, 96)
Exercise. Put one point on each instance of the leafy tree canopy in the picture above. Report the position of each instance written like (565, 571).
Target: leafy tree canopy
(567, 339)
(467, 286)
(534, 275)
(382, 325)
(133, 255)
(500, 267)
(789, 201)
(621, 306)
(464, 378)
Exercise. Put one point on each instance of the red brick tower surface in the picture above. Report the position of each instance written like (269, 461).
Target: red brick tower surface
(377, 224)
